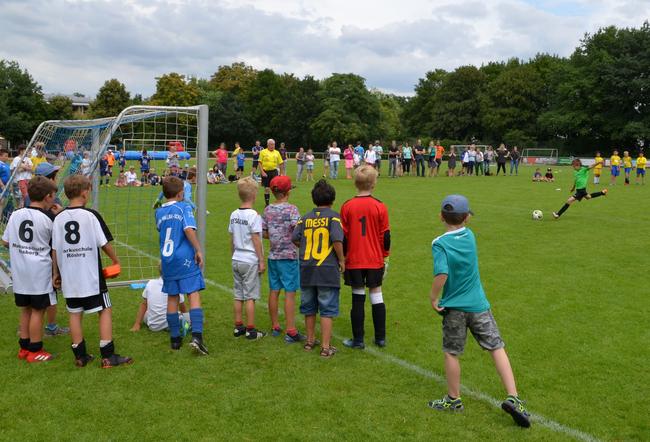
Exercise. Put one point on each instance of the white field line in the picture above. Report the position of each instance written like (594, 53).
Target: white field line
(471, 392)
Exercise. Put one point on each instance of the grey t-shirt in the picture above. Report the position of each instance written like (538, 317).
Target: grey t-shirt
(317, 231)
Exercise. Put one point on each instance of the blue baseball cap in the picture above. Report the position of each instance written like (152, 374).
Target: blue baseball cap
(455, 204)
(46, 169)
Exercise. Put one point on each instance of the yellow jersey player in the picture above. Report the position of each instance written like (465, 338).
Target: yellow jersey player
(615, 163)
(598, 168)
(640, 168)
(627, 166)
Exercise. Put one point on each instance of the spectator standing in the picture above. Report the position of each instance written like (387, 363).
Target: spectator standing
(488, 157)
(379, 151)
(359, 153)
(472, 159)
(393, 153)
(502, 157)
(255, 150)
(300, 163)
(283, 154)
(222, 158)
(478, 164)
(514, 161)
(451, 163)
(326, 161)
(407, 156)
(419, 158)
(335, 158)
(348, 154)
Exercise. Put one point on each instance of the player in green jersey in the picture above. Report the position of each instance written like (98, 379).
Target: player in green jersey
(581, 176)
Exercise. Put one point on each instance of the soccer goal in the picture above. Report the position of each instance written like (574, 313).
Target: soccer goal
(540, 156)
(77, 146)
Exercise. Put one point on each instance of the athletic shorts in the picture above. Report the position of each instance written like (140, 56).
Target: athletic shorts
(580, 194)
(314, 299)
(144, 170)
(36, 302)
(615, 171)
(439, 162)
(270, 174)
(89, 304)
(432, 162)
(310, 167)
(628, 170)
(640, 172)
(189, 285)
(482, 325)
(240, 168)
(371, 278)
(284, 274)
(246, 281)
(255, 163)
(103, 172)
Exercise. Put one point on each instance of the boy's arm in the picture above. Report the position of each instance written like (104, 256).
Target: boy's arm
(142, 309)
(190, 233)
(338, 249)
(56, 276)
(5, 243)
(232, 245)
(438, 283)
(259, 251)
(110, 252)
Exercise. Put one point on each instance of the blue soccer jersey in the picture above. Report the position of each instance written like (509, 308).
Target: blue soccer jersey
(176, 252)
(144, 163)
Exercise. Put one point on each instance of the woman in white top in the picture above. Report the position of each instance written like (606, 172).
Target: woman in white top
(335, 157)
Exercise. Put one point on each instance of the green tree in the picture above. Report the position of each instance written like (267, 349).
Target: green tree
(418, 110)
(22, 107)
(111, 99)
(299, 109)
(263, 100)
(390, 112)
(234, 78)
(60, 108)
(227, 119)
(174, 89)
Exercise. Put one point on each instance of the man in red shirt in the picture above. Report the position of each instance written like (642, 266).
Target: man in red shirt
(367, 242)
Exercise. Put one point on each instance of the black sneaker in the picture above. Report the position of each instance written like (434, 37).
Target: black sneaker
(116, 360)
(177, 345)
(380, 343)
(84, 360)
(295, 338)
(239, 331)
(254, 335)
(351, 343)
(197, 345)
(515, 408)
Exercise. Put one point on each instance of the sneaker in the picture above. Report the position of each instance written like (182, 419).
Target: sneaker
(116, 360)
(276, 332)
(254, 335)
(39, 356)
(380, 343)
(176, 345)
(84, 360)
(351, 343)
(515, 408)
(295, 338)
(57, 331)
(23, 353)
(447, 404)
(239, 331)
(556, 215)
(198, 346)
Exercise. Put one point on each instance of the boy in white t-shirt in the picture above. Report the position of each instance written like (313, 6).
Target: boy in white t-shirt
(153, 308)
(23, 166)
(245, 229)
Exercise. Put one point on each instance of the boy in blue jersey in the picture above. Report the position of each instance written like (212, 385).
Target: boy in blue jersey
(145, 166)
(464, 305)
(104, 172)
(187, 190)
(181, 262)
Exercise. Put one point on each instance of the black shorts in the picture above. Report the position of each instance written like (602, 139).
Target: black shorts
(580, 194)
(89, 304)
(270, 174)
(371, 278)
(36, 302)
(240, 169)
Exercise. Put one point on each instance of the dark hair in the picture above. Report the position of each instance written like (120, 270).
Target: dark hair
(172, 186)
(22, 147)
(39, 187)
(453, 219)
(323, 193)
(4, 151)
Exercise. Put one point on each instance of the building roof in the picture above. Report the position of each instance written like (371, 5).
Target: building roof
(76, 100)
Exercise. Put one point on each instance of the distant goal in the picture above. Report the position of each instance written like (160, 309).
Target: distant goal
(540, 156)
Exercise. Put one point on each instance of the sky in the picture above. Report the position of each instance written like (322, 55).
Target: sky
(76, 45)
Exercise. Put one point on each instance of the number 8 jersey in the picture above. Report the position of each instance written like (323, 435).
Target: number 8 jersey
(78, 234)
(176, 252)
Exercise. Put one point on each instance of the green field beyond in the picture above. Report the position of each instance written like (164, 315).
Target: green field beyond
(570, 298)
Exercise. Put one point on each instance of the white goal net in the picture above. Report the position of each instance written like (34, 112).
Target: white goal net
(540, 156)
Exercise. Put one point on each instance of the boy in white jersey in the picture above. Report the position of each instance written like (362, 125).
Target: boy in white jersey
(245, 229)
(78, 237)
(28, 235)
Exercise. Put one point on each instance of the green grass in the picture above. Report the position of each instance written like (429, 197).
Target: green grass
(570, 297)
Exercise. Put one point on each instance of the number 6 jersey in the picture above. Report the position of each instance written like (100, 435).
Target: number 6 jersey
(29, 234)
(176, 251)
(78, 234)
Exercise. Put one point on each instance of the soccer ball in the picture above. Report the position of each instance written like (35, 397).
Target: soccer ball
(537, 215)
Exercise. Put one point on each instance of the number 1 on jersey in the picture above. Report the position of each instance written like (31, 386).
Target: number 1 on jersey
(362, 220)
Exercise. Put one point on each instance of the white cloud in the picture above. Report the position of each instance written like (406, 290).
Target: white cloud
(77, 45)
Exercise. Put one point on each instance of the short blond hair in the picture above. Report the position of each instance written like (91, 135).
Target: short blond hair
(247, 188)
(365, 178)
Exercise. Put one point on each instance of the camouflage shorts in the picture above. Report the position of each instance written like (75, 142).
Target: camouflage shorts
(482, 325)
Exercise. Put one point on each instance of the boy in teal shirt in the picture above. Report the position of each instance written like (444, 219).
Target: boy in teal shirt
(581, 176)
(464, 305)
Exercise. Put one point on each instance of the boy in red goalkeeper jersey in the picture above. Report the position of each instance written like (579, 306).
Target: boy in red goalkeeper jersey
(367, 242)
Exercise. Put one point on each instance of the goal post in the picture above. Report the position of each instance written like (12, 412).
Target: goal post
(77, 146)
(532, 156)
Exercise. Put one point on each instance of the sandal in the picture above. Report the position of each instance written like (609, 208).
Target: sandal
(309, 346)
(328, 352)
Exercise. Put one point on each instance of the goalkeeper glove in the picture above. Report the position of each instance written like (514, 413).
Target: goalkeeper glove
(386, 263)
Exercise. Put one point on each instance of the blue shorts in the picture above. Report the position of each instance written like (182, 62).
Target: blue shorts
(183, 286)
(615, 171)
(314, 299)
(144, 170)
(284, 274)
(628, 170)
(640, 172)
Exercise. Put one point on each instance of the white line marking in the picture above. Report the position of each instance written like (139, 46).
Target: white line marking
(471, 392)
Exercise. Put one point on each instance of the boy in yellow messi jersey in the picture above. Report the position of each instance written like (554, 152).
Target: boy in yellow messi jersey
(581, 176)
(615, 163)
(598, 167)
(627, 166)
(640, 168)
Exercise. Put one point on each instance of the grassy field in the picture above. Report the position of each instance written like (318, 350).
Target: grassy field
(570, 297)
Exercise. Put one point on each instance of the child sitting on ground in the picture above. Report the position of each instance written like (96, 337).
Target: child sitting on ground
(548, 177)
(121, 180)
(153, 309)
(537, 176)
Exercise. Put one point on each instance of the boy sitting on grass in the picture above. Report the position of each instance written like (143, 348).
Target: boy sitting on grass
(245, 229)
(153, 309)
(320, 237)
(28, 235)
(464, 305)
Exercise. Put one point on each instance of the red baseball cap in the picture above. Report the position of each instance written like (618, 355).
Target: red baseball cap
(281, 184)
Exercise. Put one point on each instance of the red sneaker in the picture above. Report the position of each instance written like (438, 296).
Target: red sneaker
(39, 356)
(22, 354)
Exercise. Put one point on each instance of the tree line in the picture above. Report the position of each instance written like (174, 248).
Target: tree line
(597, 98)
